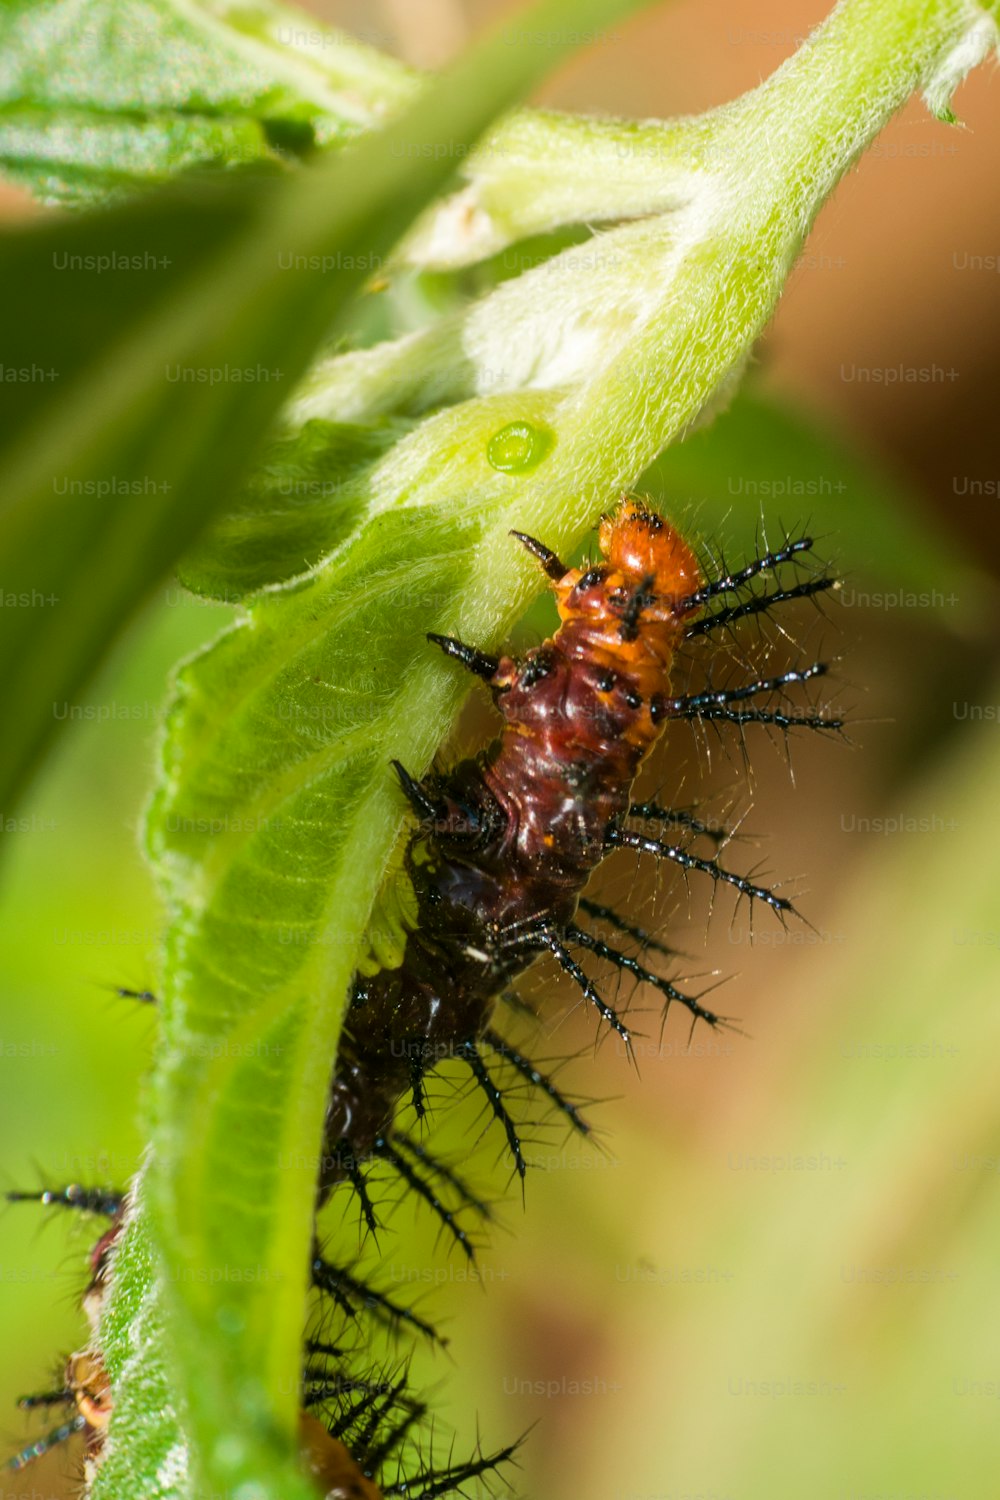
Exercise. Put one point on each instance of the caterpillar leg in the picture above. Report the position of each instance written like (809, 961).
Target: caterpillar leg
(393, 1438)
(45, 1444)
(759, 604)
(545, 940)
(625, 838)
(382, 1405)
(439, 1169)
(713, 706)
(732, 583)
(417, 1094)
(63, 1397)
(475, 661)
(335, 1389)
(377, 1423)
(325, 1386)
(537, 1078)
(645, 976)
(608, 914)
(145, 997)
(356, 1178)
(774, 717)
(320, 1349)
(469, 1053)
(420, 800)
(652, 812)
(376, 1428)
(434, 1482)
(551, 564)
(385, 1149)
(352, 1295)
(104, 1201)
(343, 1165)
(696, 705)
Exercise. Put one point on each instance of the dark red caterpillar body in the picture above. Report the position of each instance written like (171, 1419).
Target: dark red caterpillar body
(508, 841)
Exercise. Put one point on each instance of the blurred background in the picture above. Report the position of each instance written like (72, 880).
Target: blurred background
(776, 1274)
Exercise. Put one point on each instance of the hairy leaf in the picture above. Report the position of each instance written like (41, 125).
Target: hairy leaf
(100, 97)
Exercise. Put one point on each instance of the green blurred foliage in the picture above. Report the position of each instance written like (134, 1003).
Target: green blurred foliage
(80, 918)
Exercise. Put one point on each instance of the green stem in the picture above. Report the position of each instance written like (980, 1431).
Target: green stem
(799, 130)
(663, 309)
(538, 170)
(804, 126)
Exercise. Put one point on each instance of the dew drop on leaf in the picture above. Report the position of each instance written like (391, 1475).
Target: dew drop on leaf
(518, 446)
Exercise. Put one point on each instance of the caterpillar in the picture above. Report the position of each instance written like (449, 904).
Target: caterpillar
(85, 1393)
(506, 842)
(494, 874)
(354, 1432)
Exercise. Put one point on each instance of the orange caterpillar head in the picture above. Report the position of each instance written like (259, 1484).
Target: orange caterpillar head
(629, 611)
(640, 544)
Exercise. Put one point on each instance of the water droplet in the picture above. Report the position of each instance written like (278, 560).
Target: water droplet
(518, 446)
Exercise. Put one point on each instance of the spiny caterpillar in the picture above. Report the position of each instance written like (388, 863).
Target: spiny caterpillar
(508, 841)
(85, 1393)
(356, 1433)
(494, 875)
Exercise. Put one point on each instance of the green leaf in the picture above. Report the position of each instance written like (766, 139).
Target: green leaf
(760, 464)
(307, 496)
(88, 157)
(149, 1410)
(100, 97)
